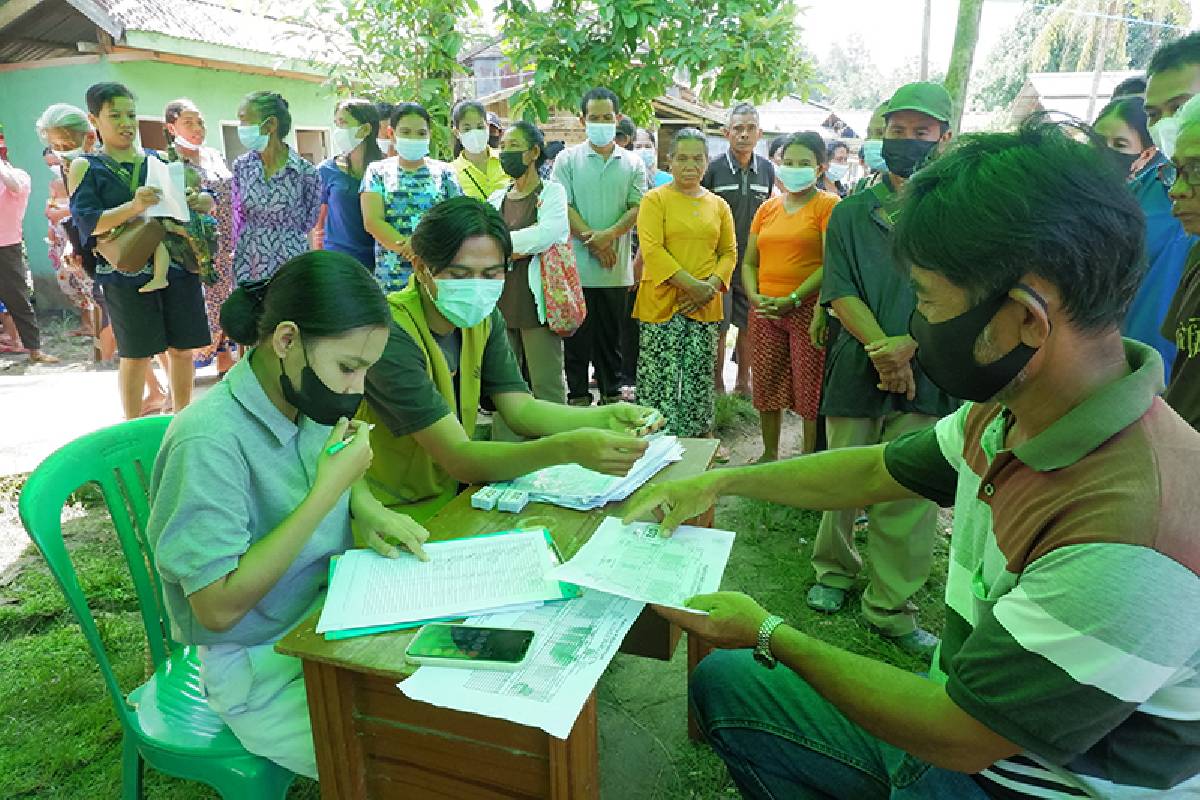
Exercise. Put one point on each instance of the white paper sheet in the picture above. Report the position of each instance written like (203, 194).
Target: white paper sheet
(169, 179)
(575, 641)
(577, 487)
(462, 577)
(635, 561)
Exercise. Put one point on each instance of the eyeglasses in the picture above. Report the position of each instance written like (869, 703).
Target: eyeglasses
(1169, 174)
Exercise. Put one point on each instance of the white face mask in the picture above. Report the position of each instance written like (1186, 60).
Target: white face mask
(345, 140)
(837, 171)
(385, 145)
(796, 179)
(183, 144)
(1165, 132)
(650, 158)
(474, 141)
(67, 155)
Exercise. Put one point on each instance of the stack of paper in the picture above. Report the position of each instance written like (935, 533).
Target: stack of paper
(462, 577)
(574, 486)
(573, 643)
(635, 561)
(626, 565)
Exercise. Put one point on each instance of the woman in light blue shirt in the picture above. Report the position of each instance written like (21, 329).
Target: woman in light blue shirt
(244, 550)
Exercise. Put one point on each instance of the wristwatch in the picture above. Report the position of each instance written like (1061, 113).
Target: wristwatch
(762, 651)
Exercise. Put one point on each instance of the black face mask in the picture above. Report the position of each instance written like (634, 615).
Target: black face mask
(905, 156)
(494, 141)
(1122, 162)
(946, 352)
(513, 164)
(315, 400)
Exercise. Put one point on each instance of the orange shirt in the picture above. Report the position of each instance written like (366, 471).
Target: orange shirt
(790, 245)
(678, 232)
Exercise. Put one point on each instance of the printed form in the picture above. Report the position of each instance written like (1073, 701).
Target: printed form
(573, 644)
(462, 576)
(635, 561)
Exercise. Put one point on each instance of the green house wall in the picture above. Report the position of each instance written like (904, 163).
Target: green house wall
(25, 93)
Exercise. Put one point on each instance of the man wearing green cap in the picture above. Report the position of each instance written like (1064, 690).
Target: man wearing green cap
(873, 391)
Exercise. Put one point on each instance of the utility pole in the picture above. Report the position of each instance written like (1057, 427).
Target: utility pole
(925, 40)
(1101, 51)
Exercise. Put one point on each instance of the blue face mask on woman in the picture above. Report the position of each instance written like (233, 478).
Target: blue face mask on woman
(252, 137)
(411, 149)
(466, 302)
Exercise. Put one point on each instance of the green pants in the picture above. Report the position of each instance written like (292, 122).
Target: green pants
(900, 541)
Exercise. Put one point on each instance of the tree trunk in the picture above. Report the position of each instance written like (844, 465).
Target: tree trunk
(958, 74)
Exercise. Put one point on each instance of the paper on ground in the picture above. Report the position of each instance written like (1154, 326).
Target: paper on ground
(577, 487)
(635, 561)
(462, 577)
(169, 179)
(573, 645)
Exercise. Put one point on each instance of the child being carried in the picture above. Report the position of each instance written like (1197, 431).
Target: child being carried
(190, 244)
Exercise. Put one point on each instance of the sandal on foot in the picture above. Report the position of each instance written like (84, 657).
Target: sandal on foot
(826, 599)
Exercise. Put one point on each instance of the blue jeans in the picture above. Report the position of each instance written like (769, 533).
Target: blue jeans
(781, 740)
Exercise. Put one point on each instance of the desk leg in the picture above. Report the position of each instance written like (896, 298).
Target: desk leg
(339, 750)
(575, 763)
(697, 650)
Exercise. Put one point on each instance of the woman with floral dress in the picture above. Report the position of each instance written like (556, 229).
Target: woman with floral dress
(276, 193)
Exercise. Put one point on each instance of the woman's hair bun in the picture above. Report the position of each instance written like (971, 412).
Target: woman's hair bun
(240, 315)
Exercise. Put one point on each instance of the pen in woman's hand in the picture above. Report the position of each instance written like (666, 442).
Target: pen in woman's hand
(338, 447)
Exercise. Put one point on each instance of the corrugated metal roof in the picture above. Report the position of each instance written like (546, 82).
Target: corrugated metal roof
(224, 24)
(1065, 93)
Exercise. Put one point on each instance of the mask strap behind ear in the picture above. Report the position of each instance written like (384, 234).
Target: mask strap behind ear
(1035, 295)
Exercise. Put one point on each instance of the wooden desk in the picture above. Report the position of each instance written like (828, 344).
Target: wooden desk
(373, 742)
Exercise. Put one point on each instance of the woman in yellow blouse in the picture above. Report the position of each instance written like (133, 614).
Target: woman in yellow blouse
(689, 250)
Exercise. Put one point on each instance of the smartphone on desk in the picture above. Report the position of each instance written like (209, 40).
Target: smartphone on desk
(469, 647)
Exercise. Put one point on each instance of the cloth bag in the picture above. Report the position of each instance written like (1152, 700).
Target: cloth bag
(563, 295)
(130, 246)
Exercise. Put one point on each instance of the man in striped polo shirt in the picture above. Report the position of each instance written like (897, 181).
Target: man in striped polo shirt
(1070, 660)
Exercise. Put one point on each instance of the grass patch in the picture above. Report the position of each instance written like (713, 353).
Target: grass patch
(733, 411)
(62, 738)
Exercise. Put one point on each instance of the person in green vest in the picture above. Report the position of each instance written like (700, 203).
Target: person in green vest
(447, 348)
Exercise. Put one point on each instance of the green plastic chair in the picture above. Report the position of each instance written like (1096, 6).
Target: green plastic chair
(166, 722)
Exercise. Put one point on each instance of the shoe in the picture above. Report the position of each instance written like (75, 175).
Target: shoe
(919, 642)
(826, 599)
(580, 402)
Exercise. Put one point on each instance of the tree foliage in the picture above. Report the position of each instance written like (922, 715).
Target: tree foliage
(400, 50)
(726, 49)
(1063, 38)
(849, 76)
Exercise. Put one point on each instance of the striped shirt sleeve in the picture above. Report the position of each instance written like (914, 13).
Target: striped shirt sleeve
(927, 461)
(1087, 635)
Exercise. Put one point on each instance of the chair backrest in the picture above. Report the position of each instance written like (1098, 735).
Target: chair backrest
(121, 460)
